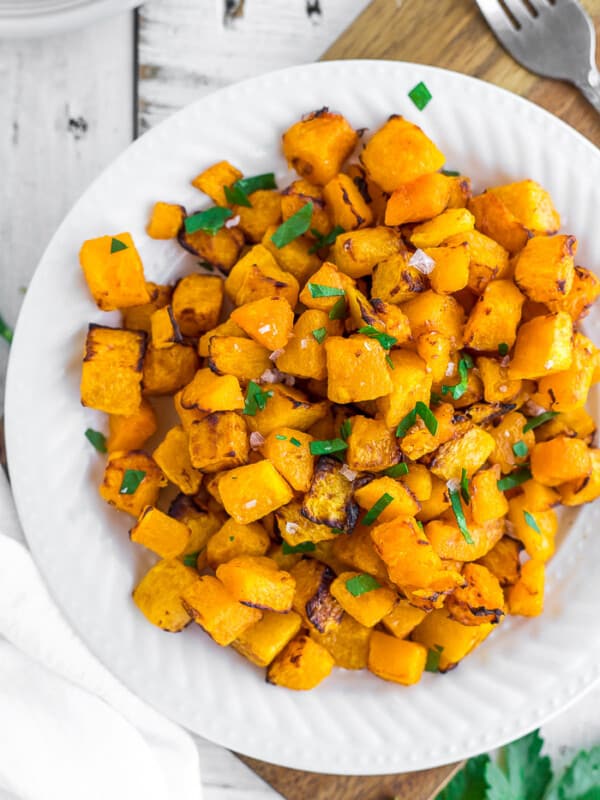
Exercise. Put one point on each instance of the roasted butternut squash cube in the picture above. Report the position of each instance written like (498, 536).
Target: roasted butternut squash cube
(258, 282)
(114, 272)
(451, 270)
(568, 390)
(251, 492)
(560, 460)
(210, 605)
(288, 450)
(531, 204)
(538, 496)
(186, 415)
(419, 480)
(347, 642)
(403, 501)
(461, 191)
(269, 321)
(372, 446)
(202, 524)
(263, 213)
(395, 659)
(393, 321)
(372, 193)
(221, 249)
(403, 618)
(111, 374)
(577, 423)
(312, 598)
(526, 597)
(495, 318)
(512, 445)
(173, 456)
(357, 550)
(419, 199)
(218, 441)
(227, 328)
(495, 220)
(357, 252)
(356, 369)
(242, 358)
(325, 288)
(165, 536)
(544, 346)
(437, 502)
(398, 153)
(165, 221)
(258, 582)
(430, 311)
(167, 371)
(118, 483)
(503, 561)
(296, 196)
(395, 281)
(469, 452)
(418, 441)
(583, 490)
(436, 350)
(488, 259)
(346, 205)
(130, 432)
(213, 180)
(158, 594)
(197, 302)
(453, 641)
(369, 606)
(329, 501)
(257, 257)
(317, 145)
(480, 601)
(302, 665)
(497, 386)
(297, 257)
(208, 392)
(233, 540)
(545, 268)
(487, 501)
(137, 318)
(448, 541)
(535, 528)
(410, 382)
(267, 638)
(294, 528)
(304, 354)
(437, 230)
(584, 292)
(289, 408)
(164, 329)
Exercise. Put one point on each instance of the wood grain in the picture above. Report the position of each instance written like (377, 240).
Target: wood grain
(453, 34)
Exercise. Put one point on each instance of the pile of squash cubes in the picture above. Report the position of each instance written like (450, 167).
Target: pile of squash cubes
(371, 444)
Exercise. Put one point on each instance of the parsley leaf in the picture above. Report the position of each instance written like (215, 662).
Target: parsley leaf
(256, 399)
(320, 334)
(301, 547)
(339, 310)
(5, 331)
(238, 192)
(361, 584)
(469, 783)
(526, 774)
(420, 95)
(190, 559)
(535, 422)
(324, 241)
(210, 221)
(457, 391)
(433, 658)
(325, 446)
(97, 439)
(293, 227)
(581, 780)
(131, 480)
(116, 245)
(384, 339)
(321, 290)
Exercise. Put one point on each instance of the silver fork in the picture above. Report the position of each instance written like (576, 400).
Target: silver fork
(553, 38)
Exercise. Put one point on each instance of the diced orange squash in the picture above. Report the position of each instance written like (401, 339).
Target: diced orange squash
(435, 349)
(227, 328)
(165, 221)
(437, 230)
(296, 196)
(213, 180)
(395, 281)
(243, 358)
(233, 540)
(253, 491)
(560, 460)
(583, 490)
(137, 318)
(495, 220)
(453, 641)
(545, 267)
(304, 354)
(297, 257)
(503, 561)
(535, 528)
(403, 502)
(357, 252)
(395, 659)
(497, 387)
(330, 501)
(419, 480)
(288, 450)
(287, 407)
(165, 536)
(221, 249)
(488, 259)
(437, 502)
(312, 598)
(267, 638)
(403, 618)
(430, 311)
(302, 665)
(487, 501)
(167, 371)
(394, 321)
(357, 550)
(263, 213)
(130, 432)
(158, 594)
(372, 193)
(526, 596)
(356, 369)
(146, 493)
(468, 453)
(507, 435)
(494, 319)
(539, 497)
(372, 446)
(449, 543)
(269, 321)
(202, 524)
(410, 382)
(345, 203)
(480, 601)
(418, 441)
(218, 441)
(584, 292)
(164, 329)
(577, 423)
(197, 301)
(186, 415)
(398, 153)
(257, 256)
(460, 191)
(451, 271)
(368, 608)
(568, 390)
(111, 374)
(347, 642)
(531, 204)
(419, 199)
(173, 457)
(257, 275)
(258, 582)
(114, 272)
(544, 346)
(210, 605)
(317, 145)
(209, 393)
(327, 275)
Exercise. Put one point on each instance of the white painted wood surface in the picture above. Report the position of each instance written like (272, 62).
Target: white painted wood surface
(67, 108)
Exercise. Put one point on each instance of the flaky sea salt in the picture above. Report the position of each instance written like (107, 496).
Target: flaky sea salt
(275, 354)
(348, 473)
(232, 221)
(250, 504)
(291, 527)
(421, 261)
(256, 440)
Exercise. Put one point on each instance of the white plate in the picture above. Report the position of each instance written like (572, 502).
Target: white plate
(353, 723)
(46, 17)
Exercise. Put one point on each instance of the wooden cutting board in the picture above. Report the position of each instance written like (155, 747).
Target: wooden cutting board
(450, 34)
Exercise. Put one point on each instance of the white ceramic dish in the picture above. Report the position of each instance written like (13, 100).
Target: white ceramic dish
(26, 18)
(353, 723)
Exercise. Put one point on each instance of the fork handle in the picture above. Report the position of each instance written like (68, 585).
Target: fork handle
(590, 88)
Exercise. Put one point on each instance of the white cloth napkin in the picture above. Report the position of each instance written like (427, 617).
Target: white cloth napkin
(69, 729)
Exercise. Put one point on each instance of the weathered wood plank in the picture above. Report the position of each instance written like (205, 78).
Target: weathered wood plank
(66, 112)
(188, 48)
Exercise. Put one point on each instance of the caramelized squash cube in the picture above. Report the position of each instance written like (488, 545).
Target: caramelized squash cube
(356, 369)
(221, 249)
(202, 524)
(437, 230)
(403, 618)
(296, 196)
(288, 408)
(131, 431)
(410, 382)
(269, 321)
(258, 582)
(419, 481)
(441, 313)
(560, 460)
(372, 446)
(173, 457)
(312, 598)
(212, 607)
(357, 550)
(328, 275)
(418, 200)
(449, 543)
(451, 271)
(233, 540)
(263, 213)
(488, 259)
(526, 597)
(137, 318)
(544, 346)
(453, 641)
(545, 269)
(568, 390)
(257, 257)
(330, 499)
(227, 328)
(213, 180)
(508, 435)
(317, 145)
(368, 608)
(531, 204)
(296, 257)
(346, 204)
(158, 594)
(497, 386)
(395, 281)
(218, 441)
(535, 528)
(495, 317)
(418, 441)
(304, 354)
(583, 490)
(503, 561)
(167, 371)
(347, 642)
(487, 501)
(495, 220)
(165, 221)
(469, 452)
(208, 392)
(237, 356)
(584, 292)
(146, 493)
(165, 536)
(357, 252)
(480, 601)
(301, 665)
(114, 272)
(197, 302)
(261, 643)
(164, 329)
(402, 504)
(289, 452)
(253, 491)
(294, 528)
(395, 659)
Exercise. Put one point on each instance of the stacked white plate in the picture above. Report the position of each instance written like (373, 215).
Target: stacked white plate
(21, 18)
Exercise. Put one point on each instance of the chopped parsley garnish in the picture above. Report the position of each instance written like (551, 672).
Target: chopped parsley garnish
(389, 362)
(295, 442)
(450, 173)
(420, 524)
(281, 437)
(320, 334)
(293, 227)
(97, 439)
(384, 339)
(302, 547)
(515, 479)
(433, 658)
(323, 447)
(530, 520)
(320, 290)
(131, 480)
(345, 429)
(420, 95)
(339, 309)
(324, 241)
(232, 538)
(409, 420)
(5, 331)
(116, 245)
(361, 584)
(503, 349)
(457, 391)
(397, 470)
(210, 221)
(190, 559)
(377, 508)
(520, 449)
(540, 420)
(238, 192)
(464, 487)
(256, 399)
(460, 515)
